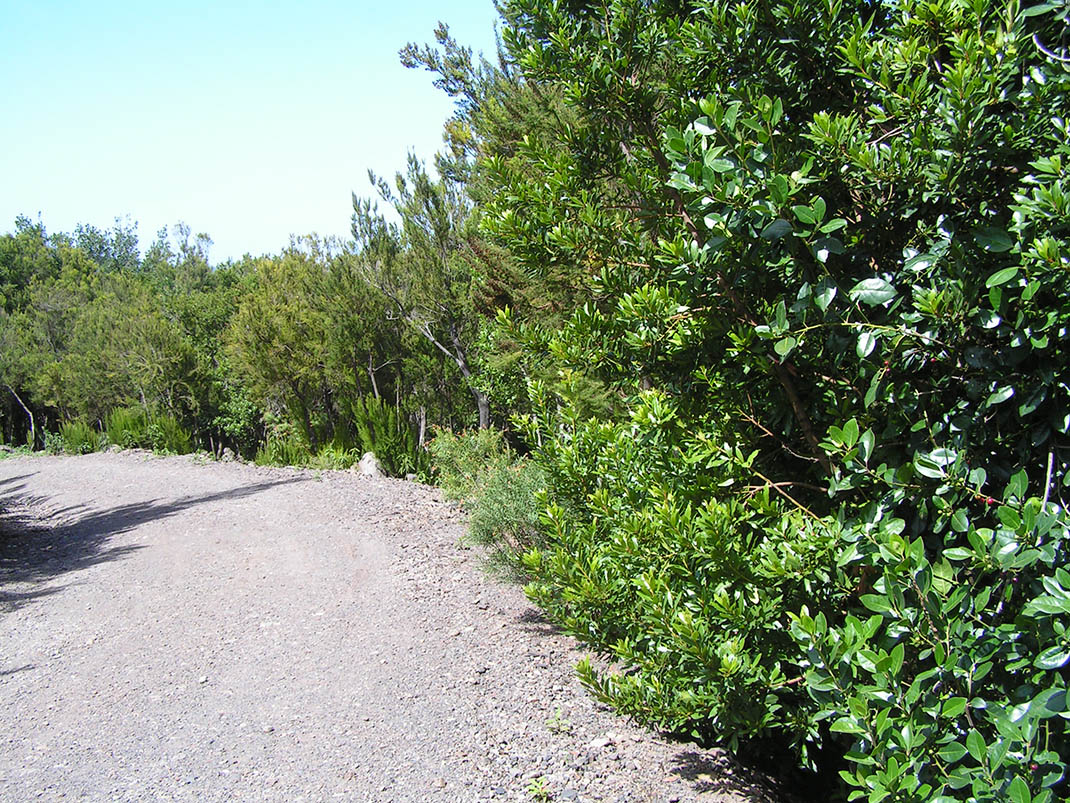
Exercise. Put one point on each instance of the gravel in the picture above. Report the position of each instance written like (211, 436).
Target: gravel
(183, 629)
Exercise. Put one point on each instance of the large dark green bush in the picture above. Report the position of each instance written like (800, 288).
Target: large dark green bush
(832, 282)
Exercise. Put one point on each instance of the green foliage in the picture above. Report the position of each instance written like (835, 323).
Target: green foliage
(499, 491)
(335, 456)
(687, 585)
(777, 295)
(504, 516)
(79, 437)
(283, 446)
(283, 451)
(827, 511)
(382, 429)
(428, 270)
(136, 428)
(167, 435)
(460, 460)
(53, 443)
(127, 427)
(946, 676)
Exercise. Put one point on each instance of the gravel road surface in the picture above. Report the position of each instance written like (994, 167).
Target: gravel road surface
(180, 629)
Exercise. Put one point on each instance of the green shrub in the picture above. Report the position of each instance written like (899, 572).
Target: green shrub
(127, 427)
(283, 451)
(504, 514)
(79, 437)
(688, 586)
(460, 460)
(335, 456)
(499, 491)
(53, 443)
(137, 428)
(385, 432)
(165, 434)
(834, 519)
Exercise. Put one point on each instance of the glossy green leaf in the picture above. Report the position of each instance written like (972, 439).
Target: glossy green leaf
(777, 229)
(1053, 657)
(1001, 277)
(865, 344)
(875, 291)
(952, 752)
(785, 346)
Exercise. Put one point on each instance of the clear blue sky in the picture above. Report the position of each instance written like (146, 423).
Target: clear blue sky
(249, 121)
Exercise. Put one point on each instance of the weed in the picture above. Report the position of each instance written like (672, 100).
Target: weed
(539, 790)
(558, 724)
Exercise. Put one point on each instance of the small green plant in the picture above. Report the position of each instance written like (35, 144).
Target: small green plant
(17, 451)
(137, 428)
(334, 456)
(505, 513)
(498, 489)
(168, 436)
(79, 438)
(53, 443)
(539, 790)
(558, 724)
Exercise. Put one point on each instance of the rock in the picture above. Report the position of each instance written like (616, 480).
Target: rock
(203, 679)
(599, 743)
(410, 477)
(228, 455)
(114, 448)
(369, 466)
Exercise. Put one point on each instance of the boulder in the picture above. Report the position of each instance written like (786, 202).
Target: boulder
(369, 466)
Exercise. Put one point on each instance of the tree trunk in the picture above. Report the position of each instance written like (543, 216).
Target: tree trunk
(33, 429)
(371, 376)
(458, 355)
(483, 405)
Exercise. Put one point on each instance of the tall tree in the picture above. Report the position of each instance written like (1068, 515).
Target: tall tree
(428, 269)
(277, 339)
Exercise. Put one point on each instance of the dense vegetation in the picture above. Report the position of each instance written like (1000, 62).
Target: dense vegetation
(773, 300)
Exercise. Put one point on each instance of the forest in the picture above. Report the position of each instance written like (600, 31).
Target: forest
(740, 328)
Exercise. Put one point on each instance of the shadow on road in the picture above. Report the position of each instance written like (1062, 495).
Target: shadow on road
(39, 543)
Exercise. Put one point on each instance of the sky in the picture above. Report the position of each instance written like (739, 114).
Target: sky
(248, 121)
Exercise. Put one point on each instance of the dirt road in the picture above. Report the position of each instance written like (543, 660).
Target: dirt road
(172, 628)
